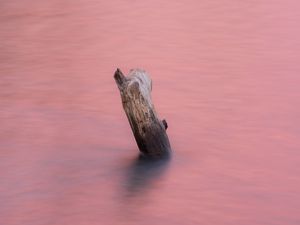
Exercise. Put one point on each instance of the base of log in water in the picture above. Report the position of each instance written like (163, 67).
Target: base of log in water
(149, 131)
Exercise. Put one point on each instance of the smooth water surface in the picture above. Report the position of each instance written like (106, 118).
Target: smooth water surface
(226, 76)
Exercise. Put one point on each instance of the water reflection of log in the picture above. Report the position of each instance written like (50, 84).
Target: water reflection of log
(143, 173)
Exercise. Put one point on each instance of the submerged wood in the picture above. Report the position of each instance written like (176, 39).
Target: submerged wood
(149, 131)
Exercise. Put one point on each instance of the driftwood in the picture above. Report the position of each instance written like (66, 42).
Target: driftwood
(149, 131)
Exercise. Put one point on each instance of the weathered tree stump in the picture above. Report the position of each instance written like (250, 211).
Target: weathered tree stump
(149, 131)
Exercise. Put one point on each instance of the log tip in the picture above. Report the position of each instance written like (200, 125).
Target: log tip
(119, 77)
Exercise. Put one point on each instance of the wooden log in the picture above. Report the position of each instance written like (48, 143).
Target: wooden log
(149, 131)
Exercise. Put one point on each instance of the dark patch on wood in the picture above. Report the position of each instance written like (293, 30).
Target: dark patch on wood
(165, 123)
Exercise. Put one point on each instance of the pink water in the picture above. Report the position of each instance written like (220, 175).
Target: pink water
(225, 76)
